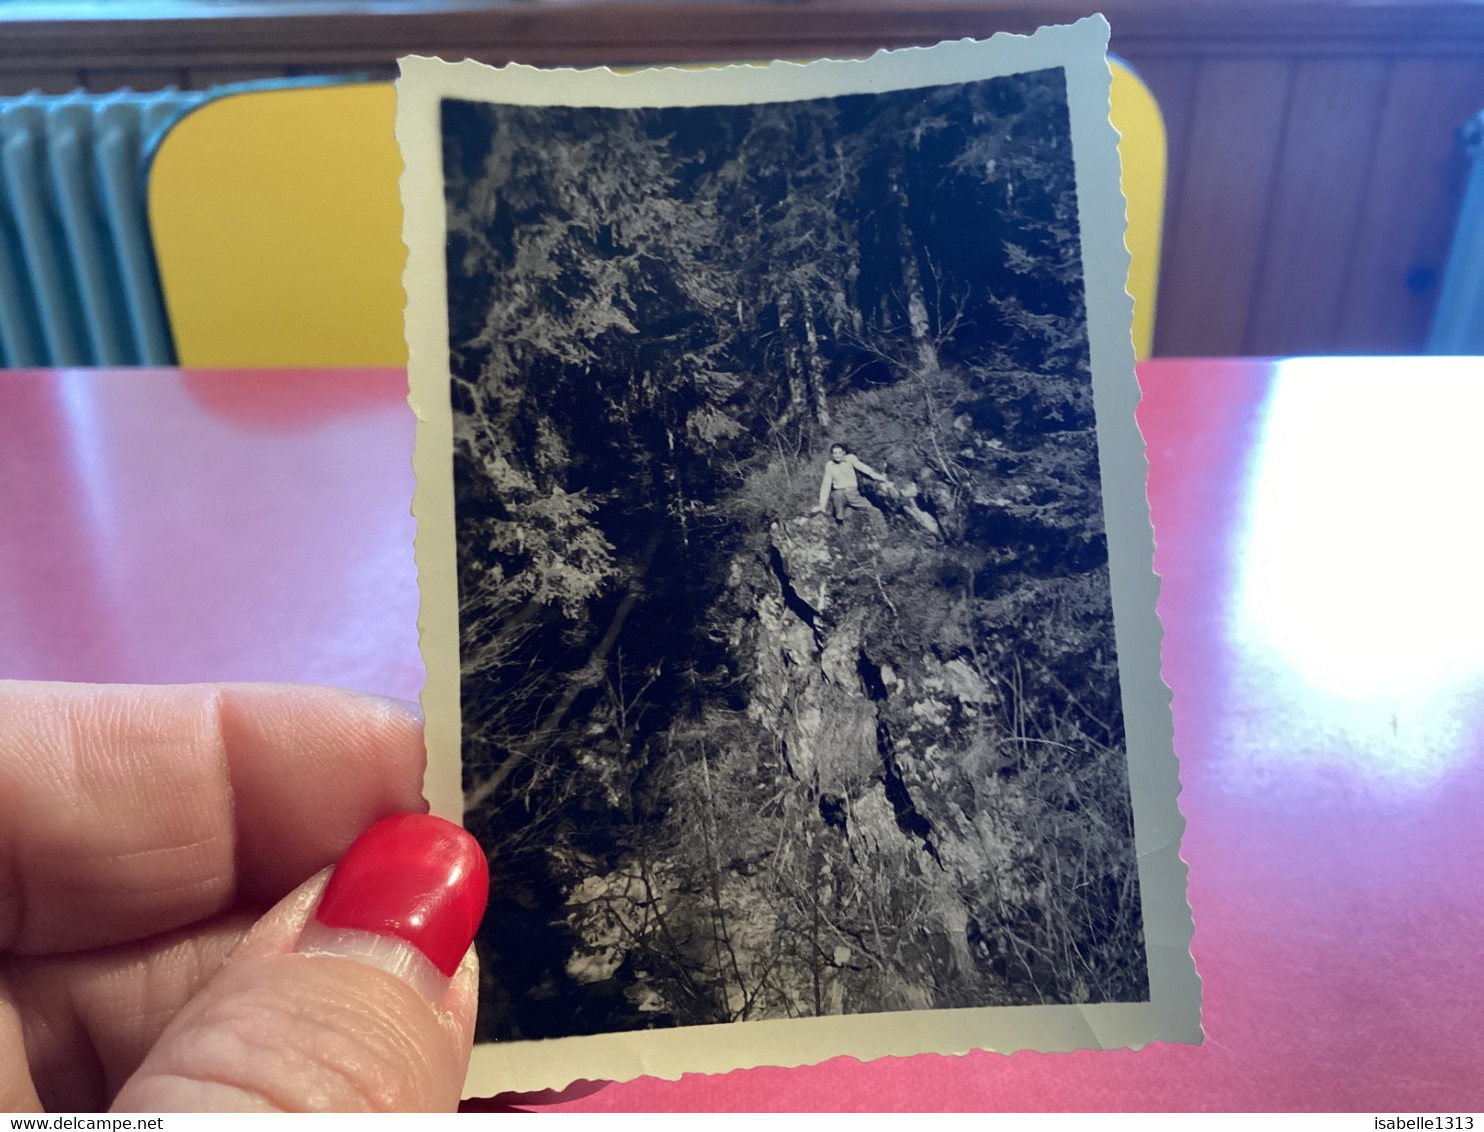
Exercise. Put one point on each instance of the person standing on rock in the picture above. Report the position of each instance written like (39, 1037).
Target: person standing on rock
(840, 493)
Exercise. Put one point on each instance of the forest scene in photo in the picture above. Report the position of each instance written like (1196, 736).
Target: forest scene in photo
(751, 730)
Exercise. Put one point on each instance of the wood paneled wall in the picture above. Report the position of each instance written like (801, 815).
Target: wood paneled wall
(1312, 198)
(1314, 174)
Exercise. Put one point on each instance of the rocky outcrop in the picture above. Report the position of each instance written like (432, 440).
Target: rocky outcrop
(843, 735)
(901, 785)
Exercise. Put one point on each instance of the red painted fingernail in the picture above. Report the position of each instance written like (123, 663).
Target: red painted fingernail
(412, 877)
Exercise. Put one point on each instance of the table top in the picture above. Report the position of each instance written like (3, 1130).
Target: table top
(1317, 533)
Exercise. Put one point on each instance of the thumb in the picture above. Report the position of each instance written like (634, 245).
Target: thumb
(367, 1004)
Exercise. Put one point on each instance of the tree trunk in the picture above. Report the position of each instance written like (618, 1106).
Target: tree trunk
(814, 365)
(925, 348)
(798, 390)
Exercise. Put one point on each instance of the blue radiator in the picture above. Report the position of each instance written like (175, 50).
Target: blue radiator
(77, 277)
(1458, 322)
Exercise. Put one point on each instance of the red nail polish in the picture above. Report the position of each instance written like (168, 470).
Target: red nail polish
(415, 877)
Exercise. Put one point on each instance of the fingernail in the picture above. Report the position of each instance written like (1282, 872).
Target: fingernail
(409, 708)
(407, 897)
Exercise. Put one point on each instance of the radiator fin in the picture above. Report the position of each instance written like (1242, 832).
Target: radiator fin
(78, 284)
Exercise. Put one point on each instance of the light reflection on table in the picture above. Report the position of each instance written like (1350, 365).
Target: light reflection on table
(1359, 598)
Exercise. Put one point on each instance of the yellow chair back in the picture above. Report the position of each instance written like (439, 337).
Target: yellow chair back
(278, 231)
(1142, 149)
(277, 224)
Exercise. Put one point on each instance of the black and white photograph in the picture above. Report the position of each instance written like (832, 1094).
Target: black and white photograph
(788, 681)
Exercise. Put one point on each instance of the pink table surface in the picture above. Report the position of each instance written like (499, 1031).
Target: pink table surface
(1316, 524)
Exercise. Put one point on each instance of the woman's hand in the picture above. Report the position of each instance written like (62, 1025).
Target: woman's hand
(163, 943)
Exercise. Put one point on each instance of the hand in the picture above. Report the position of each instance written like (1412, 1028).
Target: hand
(163, 942)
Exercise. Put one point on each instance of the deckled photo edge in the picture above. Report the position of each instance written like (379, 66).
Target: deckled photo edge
(426, 327)
(1173, 1012)
(1154, 771)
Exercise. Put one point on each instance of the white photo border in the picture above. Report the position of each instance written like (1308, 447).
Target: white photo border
(1173, 1011)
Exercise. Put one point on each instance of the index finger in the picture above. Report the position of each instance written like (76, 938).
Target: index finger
(127, 811)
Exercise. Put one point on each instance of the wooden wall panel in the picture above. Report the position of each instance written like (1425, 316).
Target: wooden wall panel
(1318, 191)
(384, 70)
(1413, 191)
(135, 78)
(201, 78)
(58, 81)
(1211, 258)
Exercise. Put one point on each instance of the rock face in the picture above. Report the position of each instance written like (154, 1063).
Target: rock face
(892, 815)
(843, 736)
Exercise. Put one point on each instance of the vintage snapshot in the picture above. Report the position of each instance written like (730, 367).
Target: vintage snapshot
(787, 594)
